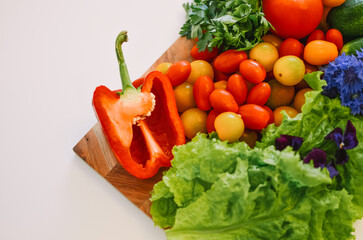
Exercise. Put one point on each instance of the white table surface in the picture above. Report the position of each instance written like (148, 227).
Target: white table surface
(53, 54)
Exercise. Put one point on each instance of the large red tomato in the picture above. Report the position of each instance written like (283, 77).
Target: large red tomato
(293, 18)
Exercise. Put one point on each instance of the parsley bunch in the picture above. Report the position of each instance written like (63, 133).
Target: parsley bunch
(231, 24)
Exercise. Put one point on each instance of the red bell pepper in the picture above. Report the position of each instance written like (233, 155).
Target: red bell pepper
(141, 125)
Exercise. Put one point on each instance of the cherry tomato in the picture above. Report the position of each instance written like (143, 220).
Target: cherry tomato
(289, 70)
(210, 120)
(252, 71)
(237, 86)
(194, 121)
(278, 117)
(333, 3)
(273, 39)
(205, 55)
(336, 37)
(218, 75)
(266, 54)
(292, 18)
(254, 116)
(299, 99)
(222, 101)
(291, 46)
(184, 97)
(228, 61)
(229, 126)
(202, 88)
(137, 83)
(259, 94)
(220, 84)
(200, 68)
(178, 72)
(317, 34)
(249, 137)
(319, 52)
(271, 113)
(163, 67)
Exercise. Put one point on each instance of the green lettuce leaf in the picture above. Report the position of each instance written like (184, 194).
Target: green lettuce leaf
(217, 190)
(320, 115)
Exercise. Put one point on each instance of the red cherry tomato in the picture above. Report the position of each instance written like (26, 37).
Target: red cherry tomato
(252, 71)
(205, 55)
(178, 72)
(210, 120)
(316, 35)
(259, 94)
(223, 101)
(237, 86)
(202, 88)
(293, 18)
(336, 37)
(291, 46)
(254, 116)
(271, 113)
(218, 75)
(228, 61)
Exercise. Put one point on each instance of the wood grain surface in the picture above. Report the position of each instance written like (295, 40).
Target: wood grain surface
(93, 148)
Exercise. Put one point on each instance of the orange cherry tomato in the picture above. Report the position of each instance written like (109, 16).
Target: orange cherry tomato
(223, 101)
(336, 37)
(205, 55)
(237, 86)
(259, 94)
(228, 61)
(291, 46)
(252, 71)
(254, 116)
(202, 88)
(178, 72)
(278, 117)
(271, 113)
(210, 120)
(317, 34)
(319, 52)
(333, 3)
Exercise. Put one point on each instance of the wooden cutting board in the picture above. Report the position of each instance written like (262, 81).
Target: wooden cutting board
(93, 148)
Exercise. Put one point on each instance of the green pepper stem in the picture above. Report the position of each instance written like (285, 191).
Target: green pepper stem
(124, 73)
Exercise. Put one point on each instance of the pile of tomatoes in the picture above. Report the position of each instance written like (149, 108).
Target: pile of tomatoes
(238, 93)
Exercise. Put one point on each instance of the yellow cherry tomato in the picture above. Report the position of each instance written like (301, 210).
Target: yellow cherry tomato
(229, 126)
(266, 54)
(200, 68)
(289, 70)
(278, 117)
(184, 97)
(194, 121)
(163, 67)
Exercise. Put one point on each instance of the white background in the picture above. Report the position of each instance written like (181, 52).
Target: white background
(53, 54)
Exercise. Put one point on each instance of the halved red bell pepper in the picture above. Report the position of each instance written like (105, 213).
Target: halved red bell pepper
(142, 142)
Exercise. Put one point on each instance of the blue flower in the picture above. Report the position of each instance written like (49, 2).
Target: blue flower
(345, 141)
(286, 140)
(344, 77)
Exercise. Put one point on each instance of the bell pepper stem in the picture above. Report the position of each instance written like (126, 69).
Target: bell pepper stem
(124, 73)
